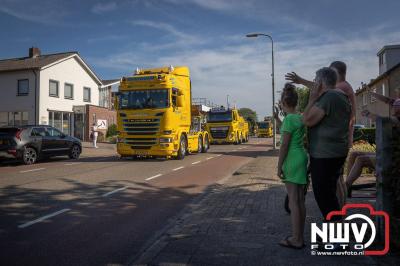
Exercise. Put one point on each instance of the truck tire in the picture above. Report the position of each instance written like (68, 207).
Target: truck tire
(182, 148)
(206, 145)
(200, 144)
(237, 141)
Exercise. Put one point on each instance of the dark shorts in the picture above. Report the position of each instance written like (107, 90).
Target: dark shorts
(325, 173)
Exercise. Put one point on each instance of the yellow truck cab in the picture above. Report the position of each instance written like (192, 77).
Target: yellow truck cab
(227, 126)
(264, 129)
(154, 115)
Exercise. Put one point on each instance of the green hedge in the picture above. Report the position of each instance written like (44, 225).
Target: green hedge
(367, 134)
(112, 130)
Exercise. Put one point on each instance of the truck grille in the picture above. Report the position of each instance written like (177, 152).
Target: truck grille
(143, 132)
(148, 126)
(219, 133)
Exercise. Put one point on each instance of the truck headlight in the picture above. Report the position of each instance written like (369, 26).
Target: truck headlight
(165, 140)
(167, 132)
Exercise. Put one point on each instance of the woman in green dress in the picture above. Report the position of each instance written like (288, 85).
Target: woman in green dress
(292, 165)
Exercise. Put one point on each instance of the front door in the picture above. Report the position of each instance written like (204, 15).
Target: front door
(79, 125)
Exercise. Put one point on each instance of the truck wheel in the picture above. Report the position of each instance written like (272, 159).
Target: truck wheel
(182, 148)
(200, 144)
(206, 145)
(29, 156)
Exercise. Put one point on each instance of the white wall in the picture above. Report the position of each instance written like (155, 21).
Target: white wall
(68, 71)
(9, 101)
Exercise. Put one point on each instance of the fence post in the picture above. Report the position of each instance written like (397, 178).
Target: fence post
(383, 141)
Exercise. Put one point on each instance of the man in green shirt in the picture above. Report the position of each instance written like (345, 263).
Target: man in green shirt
(327, 116)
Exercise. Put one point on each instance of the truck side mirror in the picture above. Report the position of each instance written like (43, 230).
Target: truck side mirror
(180, 101)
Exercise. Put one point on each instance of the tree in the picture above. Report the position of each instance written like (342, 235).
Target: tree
(303, 93)
(249, 115)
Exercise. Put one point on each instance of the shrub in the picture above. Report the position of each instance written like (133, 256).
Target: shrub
(366, 134)
(112, 139)
(112, 130)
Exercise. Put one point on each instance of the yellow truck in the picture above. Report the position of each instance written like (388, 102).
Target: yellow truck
(264, 129)
(227, 126)
(155, 116)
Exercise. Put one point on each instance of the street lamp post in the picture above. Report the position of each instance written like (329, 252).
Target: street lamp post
(252, 35)
(227, 101)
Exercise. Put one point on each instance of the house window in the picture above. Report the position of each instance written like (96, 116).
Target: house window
(382, 59)
(23, 87)
(86, 94)
(53, 88)
(373, 99)
(364, 99)
(104, 97)
(61, 120)
(13, 118)
(68, 91)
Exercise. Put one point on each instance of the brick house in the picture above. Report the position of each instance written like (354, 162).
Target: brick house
(59, 89)
(387, 84)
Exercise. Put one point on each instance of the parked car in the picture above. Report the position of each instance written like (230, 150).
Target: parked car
(30, 143)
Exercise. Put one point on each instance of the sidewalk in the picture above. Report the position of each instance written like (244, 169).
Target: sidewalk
(240, 222)
(103, 149)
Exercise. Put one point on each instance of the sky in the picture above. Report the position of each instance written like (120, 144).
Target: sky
(208, 36)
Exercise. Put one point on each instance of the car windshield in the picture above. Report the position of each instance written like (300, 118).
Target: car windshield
(263, 125)
(143, 99)
(219, 117)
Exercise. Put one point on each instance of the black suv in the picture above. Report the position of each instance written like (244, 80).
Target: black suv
(31, 143)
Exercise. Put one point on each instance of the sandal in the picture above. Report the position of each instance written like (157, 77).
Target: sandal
(287, 244)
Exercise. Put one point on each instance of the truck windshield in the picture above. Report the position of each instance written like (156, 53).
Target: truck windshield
(263, 125)
(142, 99)
(220, 117)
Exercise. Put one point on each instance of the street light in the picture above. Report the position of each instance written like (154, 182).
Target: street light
(253, 35)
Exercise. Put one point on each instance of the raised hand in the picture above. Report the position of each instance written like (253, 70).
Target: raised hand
(293, 78)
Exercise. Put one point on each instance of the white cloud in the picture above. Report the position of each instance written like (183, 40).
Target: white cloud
(178, 36)
(104, 7)
(243, 70)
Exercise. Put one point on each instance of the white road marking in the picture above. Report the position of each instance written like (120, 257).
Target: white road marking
(196, 162)
(72, 163)
(32, 170)
(234, 150)
(43, 218)
(154, 176)
(240, 148)
(219, 155)
(209, 158)
(114, 191)
(176, 169)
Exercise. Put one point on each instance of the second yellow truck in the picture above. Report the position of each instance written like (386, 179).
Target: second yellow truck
(227, 126)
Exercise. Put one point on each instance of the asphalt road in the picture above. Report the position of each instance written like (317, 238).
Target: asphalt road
(101, 210)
